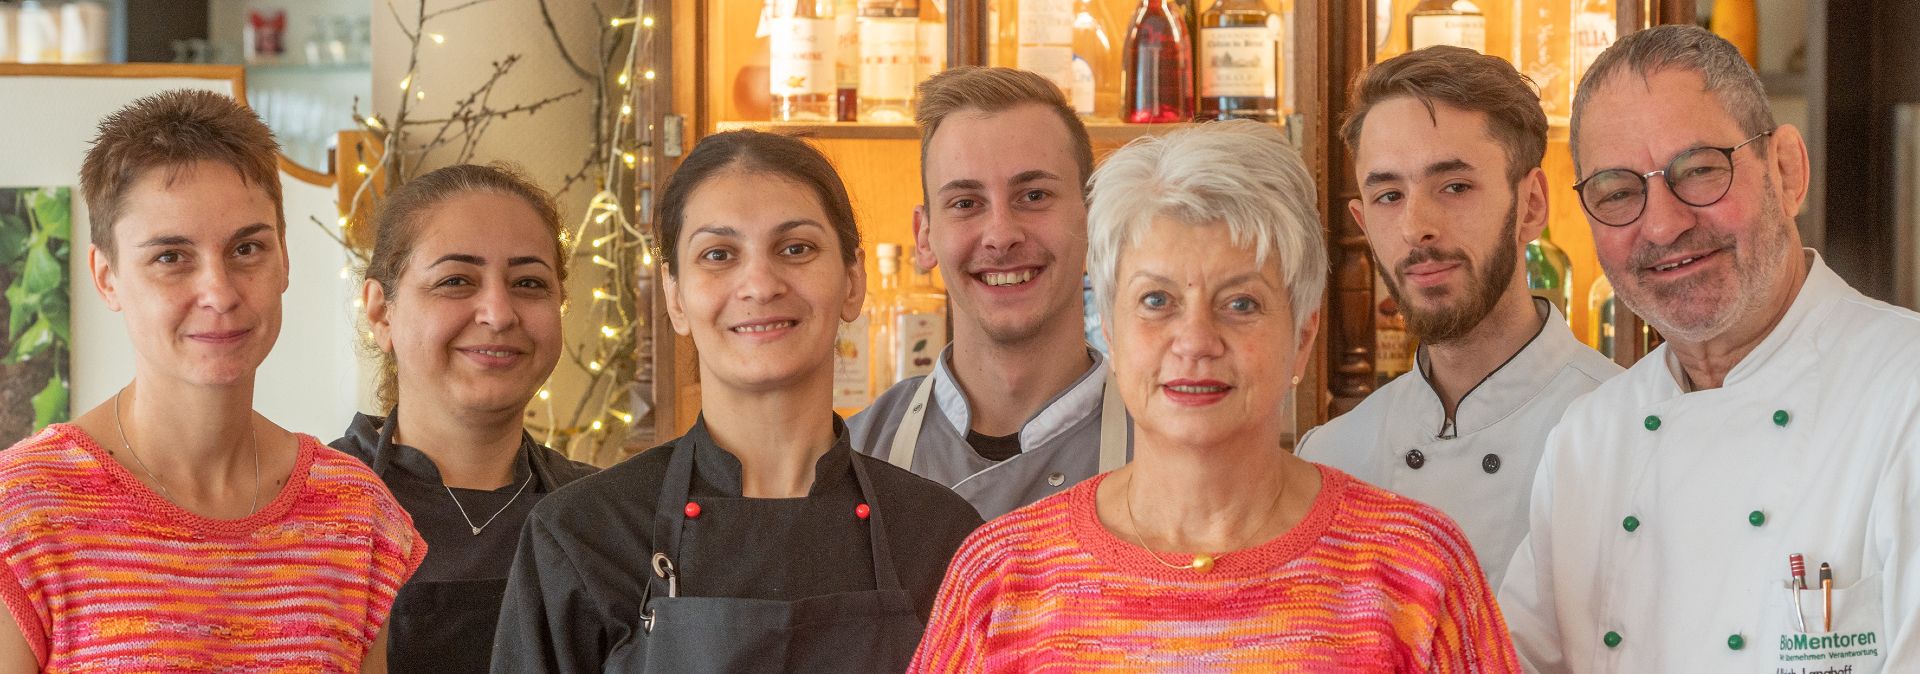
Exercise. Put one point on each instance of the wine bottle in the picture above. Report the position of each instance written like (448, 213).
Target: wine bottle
(889, 34)
(1594, 28)
(931, 53)
(1543, 51)
(1043, 39)
(1239, 78)
(1600, 304)
(802, 52)
(1158, 64)
(1549, 271)
(1096, 81)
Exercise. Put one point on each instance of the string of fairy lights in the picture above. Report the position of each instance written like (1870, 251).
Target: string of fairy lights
(611, 244)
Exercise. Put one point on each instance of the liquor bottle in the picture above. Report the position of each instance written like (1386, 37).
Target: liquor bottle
(1389, 32)
(852, 367)
(919, 316)
(880, 314)
(801, 55)
(1453, 22)
(1096, 81)
(1393, 345)
(889, 33)
(1041, 33)
(1549, 271)
(1239, 77)
(1543, 51)
(930, 56)
(846, 62)
(1600, 320)
(1594, 29)
(1158, 66)
(1735, 21)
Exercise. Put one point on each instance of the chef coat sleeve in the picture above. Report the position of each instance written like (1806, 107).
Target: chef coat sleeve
(548, 623)
(1897, 533)
(956, 633)
(1469, 635)
(1526, 595)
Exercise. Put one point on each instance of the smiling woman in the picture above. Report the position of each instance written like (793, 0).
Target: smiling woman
(463, 296)
(221, 540)
(767, 539)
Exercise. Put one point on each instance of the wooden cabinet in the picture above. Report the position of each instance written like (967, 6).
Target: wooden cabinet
(716, 67)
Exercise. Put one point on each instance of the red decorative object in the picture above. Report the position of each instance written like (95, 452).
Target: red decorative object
(693, 510)
(862, 511)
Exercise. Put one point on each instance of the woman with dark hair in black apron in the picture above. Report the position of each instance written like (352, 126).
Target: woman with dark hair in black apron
(759, 541)
(463, 297)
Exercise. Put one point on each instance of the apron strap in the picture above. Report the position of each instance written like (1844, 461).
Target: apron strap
(908, 435)
(383, 448)
(885, 576)
(670, 512)
(1113, 427)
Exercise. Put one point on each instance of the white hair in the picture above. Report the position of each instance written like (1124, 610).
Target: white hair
(1239, 174)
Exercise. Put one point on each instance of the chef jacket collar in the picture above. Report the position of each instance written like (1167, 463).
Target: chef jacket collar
(718, 471)
(1813, 301)
(377, 433)
(1063, 412)
(1508, 387)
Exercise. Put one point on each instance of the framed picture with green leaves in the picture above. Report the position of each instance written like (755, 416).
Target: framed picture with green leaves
(36, 234)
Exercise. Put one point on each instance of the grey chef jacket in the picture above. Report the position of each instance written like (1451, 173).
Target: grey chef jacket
(1059, 446)
(1479, 471)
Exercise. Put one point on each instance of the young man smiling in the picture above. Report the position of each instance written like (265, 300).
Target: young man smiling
(1447, 144)
(1017, 407)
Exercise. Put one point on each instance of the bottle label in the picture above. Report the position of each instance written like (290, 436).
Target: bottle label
(1082, 92)
(1046, 22)
(917, 343)
(800, 56)
(850, 365)
(1592, 33)
(1459, 30)
(886, 58)
(932, 52)
(1237, 62)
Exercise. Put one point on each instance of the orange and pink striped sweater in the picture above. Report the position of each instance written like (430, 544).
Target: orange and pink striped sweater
(1368, 582)
(102, 574)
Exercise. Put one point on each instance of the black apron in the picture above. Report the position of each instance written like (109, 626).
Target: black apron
(868, 631)
(441, 626)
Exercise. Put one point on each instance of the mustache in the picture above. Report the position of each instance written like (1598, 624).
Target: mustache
(1429, 254)
(1691, 241)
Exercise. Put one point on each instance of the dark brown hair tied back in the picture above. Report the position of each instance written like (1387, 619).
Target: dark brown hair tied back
(762, 153)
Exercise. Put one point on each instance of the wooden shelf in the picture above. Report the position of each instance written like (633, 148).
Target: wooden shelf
(836, 130)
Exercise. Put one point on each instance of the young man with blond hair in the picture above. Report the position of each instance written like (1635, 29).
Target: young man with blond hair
(1017, 408)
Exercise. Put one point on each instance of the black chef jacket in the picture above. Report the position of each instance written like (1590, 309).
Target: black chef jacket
(443, 618)
(580, 574)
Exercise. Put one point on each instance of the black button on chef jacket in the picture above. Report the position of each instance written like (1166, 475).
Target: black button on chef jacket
(579, 583)
(443, 619)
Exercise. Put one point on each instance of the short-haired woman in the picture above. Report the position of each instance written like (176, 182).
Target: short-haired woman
(463, 296)
(759, 541)
(1215, 548)
(172, 528)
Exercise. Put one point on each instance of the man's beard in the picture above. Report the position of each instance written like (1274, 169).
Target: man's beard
(1698, 308)
(1437, 325)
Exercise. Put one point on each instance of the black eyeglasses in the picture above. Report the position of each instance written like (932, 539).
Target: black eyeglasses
(1699, 177)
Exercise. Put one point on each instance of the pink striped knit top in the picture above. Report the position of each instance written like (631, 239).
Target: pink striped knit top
(1367, 582)
(103, 574)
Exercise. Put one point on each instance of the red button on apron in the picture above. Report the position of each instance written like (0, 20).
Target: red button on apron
(693, 510)
(862, 511)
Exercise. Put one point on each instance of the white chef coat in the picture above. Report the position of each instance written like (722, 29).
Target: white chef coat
(1479, 470)
(1059, 446)
(1662, 521)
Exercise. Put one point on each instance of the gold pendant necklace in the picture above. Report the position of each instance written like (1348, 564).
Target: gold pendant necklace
(1202, 562)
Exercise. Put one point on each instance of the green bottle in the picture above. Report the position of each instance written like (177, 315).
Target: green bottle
(1550, 271)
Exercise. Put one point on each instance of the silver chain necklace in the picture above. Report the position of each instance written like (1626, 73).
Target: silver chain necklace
(253, 442)
(463, 509)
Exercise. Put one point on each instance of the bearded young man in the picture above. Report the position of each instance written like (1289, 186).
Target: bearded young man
(1447, 145)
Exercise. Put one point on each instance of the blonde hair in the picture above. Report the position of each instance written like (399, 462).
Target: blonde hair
(990, 90)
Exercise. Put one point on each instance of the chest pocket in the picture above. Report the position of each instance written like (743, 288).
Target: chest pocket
(1857, 643)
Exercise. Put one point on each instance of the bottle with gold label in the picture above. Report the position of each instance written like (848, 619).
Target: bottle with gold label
(1451, 22)
(1238, 61)
(1550, 271)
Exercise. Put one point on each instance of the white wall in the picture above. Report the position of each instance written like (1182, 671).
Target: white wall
(309, 383)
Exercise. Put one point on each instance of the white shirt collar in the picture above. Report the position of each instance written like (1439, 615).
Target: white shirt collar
(1079, 401)
(1821, 286)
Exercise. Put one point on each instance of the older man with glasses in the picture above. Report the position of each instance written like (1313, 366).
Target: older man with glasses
(1741, 499)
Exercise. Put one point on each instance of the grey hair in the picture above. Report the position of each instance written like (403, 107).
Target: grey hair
(1241, 174)
(1687, 47)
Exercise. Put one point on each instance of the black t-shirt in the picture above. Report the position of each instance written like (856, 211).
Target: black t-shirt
(994, 447)
(581, 572)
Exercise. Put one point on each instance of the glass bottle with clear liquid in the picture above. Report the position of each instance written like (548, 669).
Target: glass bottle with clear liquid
(802, 51)
(919, 317)
(889, 45)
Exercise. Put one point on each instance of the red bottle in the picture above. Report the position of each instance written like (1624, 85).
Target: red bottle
(1157, 86)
